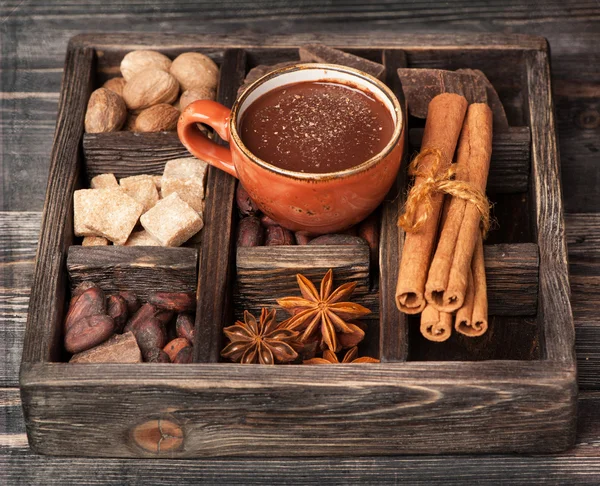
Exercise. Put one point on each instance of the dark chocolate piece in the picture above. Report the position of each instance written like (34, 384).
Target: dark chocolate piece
(500, 120)
(420, 86)
(322, 53)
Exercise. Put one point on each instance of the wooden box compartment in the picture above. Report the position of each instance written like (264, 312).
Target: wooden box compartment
(513, 390)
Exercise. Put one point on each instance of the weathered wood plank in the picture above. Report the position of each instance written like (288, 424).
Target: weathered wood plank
(265, 273)
(137, 269)
(583, 236)
(214, 275)
(18, 236)
(557, 336)
(15, 283)
(393, 331)
(579, 466)
(48, 294)
(469, 398)
(125, 153)
(506, 338)
(509, 169)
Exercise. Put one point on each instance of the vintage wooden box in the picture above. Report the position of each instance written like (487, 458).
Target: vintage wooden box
(513, 390)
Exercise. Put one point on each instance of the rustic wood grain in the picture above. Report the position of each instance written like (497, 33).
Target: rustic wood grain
(214, 274)
(393, 332)
(510, 164)
(507, 338)
(584, 275)
(126, 153)
(47, 300)
(136, 269)
(579, 466)
(270, 410)
(557, 334)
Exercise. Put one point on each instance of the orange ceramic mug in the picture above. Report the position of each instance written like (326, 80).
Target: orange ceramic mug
(316, 203)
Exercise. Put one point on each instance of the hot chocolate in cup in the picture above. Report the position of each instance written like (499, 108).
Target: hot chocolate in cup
(303, 183)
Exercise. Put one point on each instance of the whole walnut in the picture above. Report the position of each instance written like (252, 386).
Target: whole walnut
(135, 62)
(106, 112)
(116, 85)
(195, 70)
(157, 118)
(150, 87)
(195, 94)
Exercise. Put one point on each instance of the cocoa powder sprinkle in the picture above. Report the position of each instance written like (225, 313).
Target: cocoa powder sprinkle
(316, 127)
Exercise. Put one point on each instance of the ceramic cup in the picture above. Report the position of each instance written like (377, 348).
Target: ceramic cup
(315, 203)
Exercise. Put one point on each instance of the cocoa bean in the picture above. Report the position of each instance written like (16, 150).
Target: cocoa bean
(185, 356)
(278, 236)
(80, 289)
(266, 221)
(369, 231)
(156, 356)
(337, 239)
(173, 347)
(164, 316)
(184, 326)
(87, 332)
(250, 232)
(244, 203)
(133, 304)
(147, 311)
(302, 237)
(174, 301)
(150, 334)
(117, 309)
(90, 303)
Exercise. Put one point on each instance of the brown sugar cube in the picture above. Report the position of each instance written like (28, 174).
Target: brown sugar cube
(94, 241)
(172, 221)
(185, 177)
(190, 190)
(121, 348)
(105, 212)
(186, 168)
(103, 181)
(83, 209)
(142, 190)
(141, 238)
(157, 181)
(140, 177)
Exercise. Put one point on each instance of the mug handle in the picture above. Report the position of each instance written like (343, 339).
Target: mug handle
(216, 116)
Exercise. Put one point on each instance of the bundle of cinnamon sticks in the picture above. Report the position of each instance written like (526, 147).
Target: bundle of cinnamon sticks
(442, 272)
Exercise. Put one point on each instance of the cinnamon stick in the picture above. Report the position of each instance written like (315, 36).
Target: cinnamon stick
(439, 272)
(478, 324)
(435, 325)
(465, 313)
(476, 140)
(446, 113)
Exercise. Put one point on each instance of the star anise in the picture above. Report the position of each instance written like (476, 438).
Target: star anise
(350, 357)
(264, 342)
(325, 312)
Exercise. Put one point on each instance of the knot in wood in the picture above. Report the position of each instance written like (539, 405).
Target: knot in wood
(158, 436)
(588, 119)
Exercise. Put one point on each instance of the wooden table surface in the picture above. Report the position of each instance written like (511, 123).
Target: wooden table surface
(33, 40)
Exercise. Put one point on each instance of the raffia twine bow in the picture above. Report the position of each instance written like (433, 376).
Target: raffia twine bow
(432, 183)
